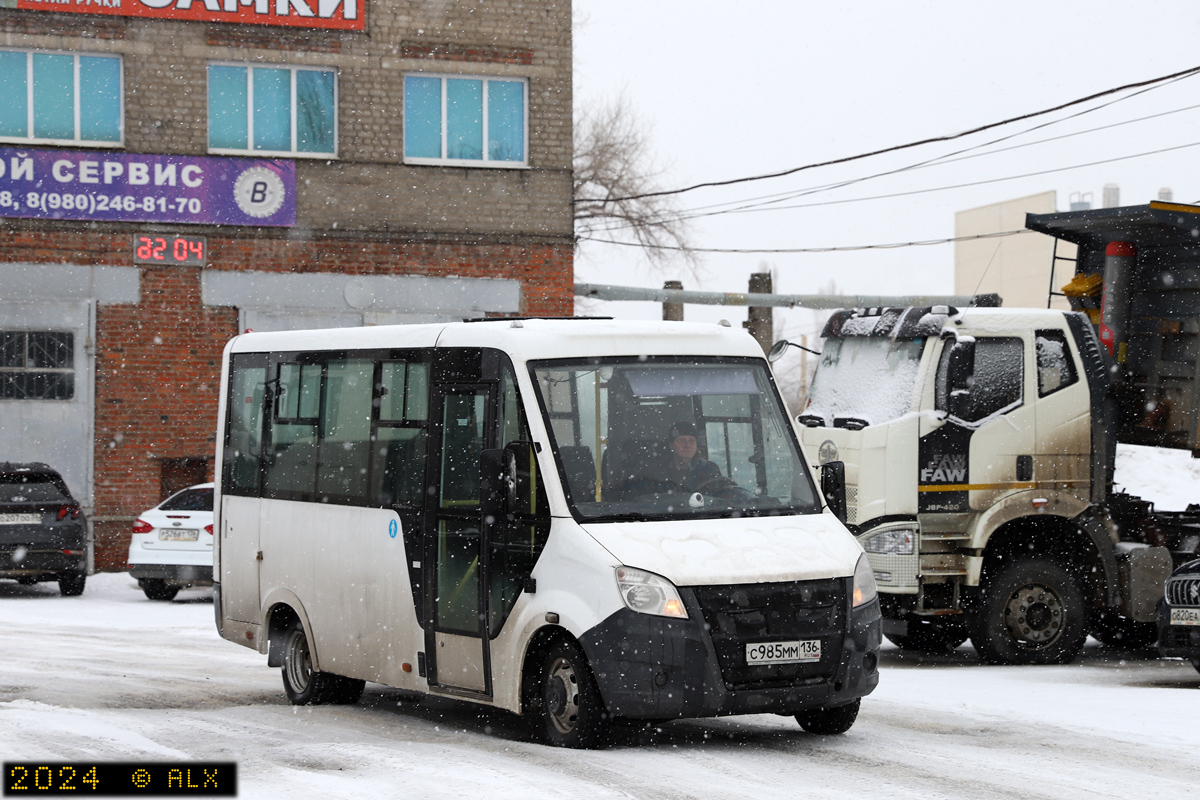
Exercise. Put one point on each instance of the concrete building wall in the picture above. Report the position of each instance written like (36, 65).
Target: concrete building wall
(1015, 267)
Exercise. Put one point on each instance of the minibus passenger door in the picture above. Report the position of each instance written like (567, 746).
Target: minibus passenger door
(456, 643)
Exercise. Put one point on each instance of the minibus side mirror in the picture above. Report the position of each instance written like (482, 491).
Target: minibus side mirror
(492, 491)
(833, 487)
(520, 478)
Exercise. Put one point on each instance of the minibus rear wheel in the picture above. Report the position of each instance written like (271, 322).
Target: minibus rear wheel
(573, 714)
(304, 685)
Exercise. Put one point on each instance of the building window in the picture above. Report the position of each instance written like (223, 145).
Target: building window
(60, 98)
(469, 122)
(276, 110)
(37, 365)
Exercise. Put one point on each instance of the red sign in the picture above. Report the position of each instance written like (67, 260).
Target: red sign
(336, 14)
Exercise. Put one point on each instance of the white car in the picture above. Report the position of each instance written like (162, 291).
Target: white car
(172, 544)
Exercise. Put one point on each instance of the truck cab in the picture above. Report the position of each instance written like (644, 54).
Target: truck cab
(966, 439)
(978, 445)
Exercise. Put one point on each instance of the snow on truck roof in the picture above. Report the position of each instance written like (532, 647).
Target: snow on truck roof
(920, 322)
(523, 339)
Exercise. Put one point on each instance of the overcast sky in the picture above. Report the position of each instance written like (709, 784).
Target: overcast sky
(736, 89)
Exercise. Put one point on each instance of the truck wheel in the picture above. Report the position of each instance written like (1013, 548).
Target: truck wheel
(1117, 631)
(1196, 664)
(829, 721)
(157, 589)
(572, 711)
(71, 584)
(1031, 612)
(930, 636)
(305, 686)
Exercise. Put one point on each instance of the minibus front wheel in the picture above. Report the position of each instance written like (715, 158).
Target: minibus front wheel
(829, 721)
(304, 685)
(573, 714)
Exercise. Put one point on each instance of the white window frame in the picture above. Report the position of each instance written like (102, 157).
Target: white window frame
(443, 161)
(250, 151)
(76, 141)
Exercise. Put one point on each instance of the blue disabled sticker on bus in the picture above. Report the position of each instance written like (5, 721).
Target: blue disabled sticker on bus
(392, 529)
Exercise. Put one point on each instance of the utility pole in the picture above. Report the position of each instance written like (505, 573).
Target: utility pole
(761, 318)
(673, 312)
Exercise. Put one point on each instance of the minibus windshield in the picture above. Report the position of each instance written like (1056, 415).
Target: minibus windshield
(655, 438)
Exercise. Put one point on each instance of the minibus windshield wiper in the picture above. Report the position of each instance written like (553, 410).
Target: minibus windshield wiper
(625, 516)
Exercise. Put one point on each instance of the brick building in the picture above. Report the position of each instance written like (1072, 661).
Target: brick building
(172, 172)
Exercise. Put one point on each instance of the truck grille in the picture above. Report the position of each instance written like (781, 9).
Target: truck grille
(851, 505)
(775, 612)
(1184, 591)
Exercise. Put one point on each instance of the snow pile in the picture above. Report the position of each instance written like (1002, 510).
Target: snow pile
(1168, 478)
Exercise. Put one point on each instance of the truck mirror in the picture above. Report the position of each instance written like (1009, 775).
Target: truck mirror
(833, 487)
(492, 494)
(960, 368)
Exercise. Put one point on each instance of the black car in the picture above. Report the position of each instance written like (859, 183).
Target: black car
(1179, 615)
(43, 533)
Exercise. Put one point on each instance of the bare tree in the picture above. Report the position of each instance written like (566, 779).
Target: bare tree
(613, 169)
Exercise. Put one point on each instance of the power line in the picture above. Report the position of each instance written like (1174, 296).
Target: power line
(908, 193)
(937, 161)
(950, 158)
(891, 246)
(751, 203)
(946, 138)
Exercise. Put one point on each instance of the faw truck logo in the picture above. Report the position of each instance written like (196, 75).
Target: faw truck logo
(945, 469)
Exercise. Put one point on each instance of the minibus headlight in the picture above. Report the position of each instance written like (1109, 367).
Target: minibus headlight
(647, 593)
(864, 582)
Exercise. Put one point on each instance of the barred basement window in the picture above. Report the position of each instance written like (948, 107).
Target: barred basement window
(37, 365)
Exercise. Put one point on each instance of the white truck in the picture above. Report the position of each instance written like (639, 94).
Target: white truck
(978, 445)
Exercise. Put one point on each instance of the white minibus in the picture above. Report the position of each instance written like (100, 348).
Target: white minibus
(576, 520)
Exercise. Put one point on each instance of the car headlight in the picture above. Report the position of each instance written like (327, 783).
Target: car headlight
(647, 593)
(897, 541)
(864, 583)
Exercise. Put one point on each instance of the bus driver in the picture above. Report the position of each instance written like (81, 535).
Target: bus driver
(682, 464)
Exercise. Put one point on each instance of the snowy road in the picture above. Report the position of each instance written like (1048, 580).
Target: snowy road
(113, 676)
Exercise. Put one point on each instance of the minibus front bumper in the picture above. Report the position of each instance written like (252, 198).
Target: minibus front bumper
(650, 667)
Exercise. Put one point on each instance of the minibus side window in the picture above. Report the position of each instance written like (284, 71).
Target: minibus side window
(345, 429)
(243, 448)
(400, 440)
(291, 466)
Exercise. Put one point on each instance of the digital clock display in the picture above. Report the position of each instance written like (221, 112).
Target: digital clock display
(185, 251)
(119, 779)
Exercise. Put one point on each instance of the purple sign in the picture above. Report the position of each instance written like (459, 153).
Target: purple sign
(134, 187)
